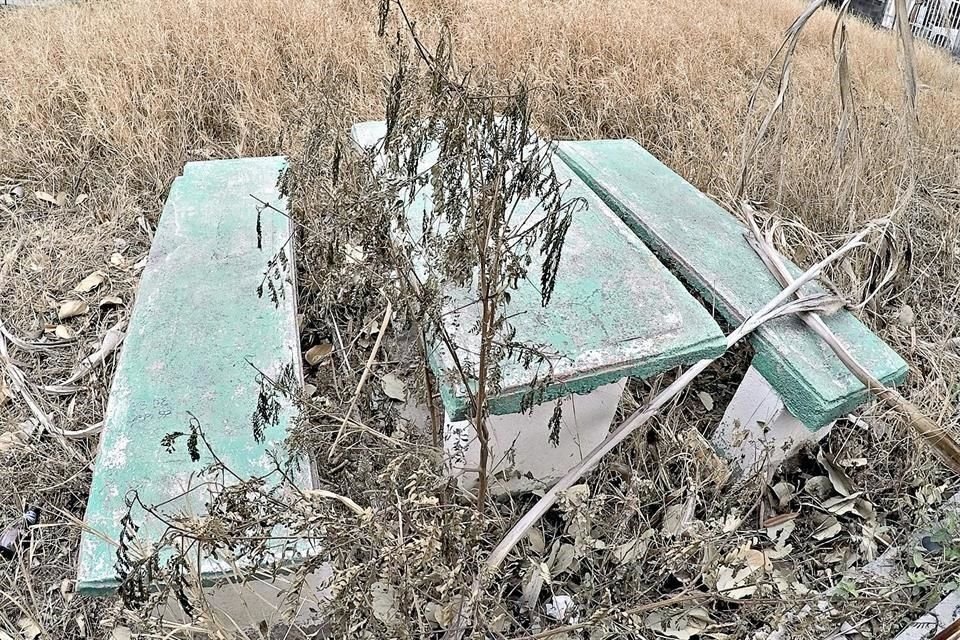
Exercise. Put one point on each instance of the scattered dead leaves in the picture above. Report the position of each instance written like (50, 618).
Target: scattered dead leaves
(58, 200)
(318, 353)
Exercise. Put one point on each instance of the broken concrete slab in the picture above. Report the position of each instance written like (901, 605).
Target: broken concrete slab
(616, 310)
(199, 336)
(706, 245)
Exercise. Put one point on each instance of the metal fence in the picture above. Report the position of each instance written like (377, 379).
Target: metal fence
(937, 21)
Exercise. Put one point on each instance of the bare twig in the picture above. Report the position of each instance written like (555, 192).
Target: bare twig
(387, 315)
(347, 502)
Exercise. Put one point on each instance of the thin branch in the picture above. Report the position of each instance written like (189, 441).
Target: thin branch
(387, 315)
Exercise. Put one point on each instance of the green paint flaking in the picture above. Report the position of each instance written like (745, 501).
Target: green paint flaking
(616, 311)
(706, 245)
(197, 327)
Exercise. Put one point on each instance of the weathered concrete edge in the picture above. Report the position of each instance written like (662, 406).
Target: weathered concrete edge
(209, 576)
(510, 400)
(797, 393)
(812, 409)
(104, 587)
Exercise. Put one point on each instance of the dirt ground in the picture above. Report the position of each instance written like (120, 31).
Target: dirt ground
(102, 102)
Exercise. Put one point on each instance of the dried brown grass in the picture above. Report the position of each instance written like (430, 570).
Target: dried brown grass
(110, 98)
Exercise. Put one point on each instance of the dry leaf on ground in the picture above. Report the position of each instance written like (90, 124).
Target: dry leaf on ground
(121, 633)
(394, 387)
(29, 629)
(59, 200)
(316, 354)
(818, 486)
(840, 480)
(64, 332)
(68, 589)
(537, 543)
(736, 585)
(537, 575)
(678, 517)
(383, 599)
(564, 559)
(632, 549)
(906, 317)
(19, 436)
(683, 626)
(830, 528)
(72, 308)
(706, 400)
(91, 282)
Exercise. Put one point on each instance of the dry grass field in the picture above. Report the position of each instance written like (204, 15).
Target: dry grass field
(105, 101)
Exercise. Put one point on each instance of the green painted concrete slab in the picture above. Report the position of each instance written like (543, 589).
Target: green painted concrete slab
(706, 245)
(197, 328)
(616, 311)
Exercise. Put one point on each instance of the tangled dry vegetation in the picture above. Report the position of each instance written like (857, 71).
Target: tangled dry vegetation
(103, 102)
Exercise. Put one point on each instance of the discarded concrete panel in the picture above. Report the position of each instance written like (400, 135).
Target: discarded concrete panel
(198, 335)
(757, 431)
(706, 245)
(522, 458)
(616, 312)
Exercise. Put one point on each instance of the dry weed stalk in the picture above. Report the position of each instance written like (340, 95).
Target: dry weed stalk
(942, 442)
(387, 316)
(495, 202)
(775, 308)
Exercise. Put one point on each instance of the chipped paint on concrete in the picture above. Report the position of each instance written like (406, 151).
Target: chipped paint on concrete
(706, 245)
(198, 329)
(616, 311)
